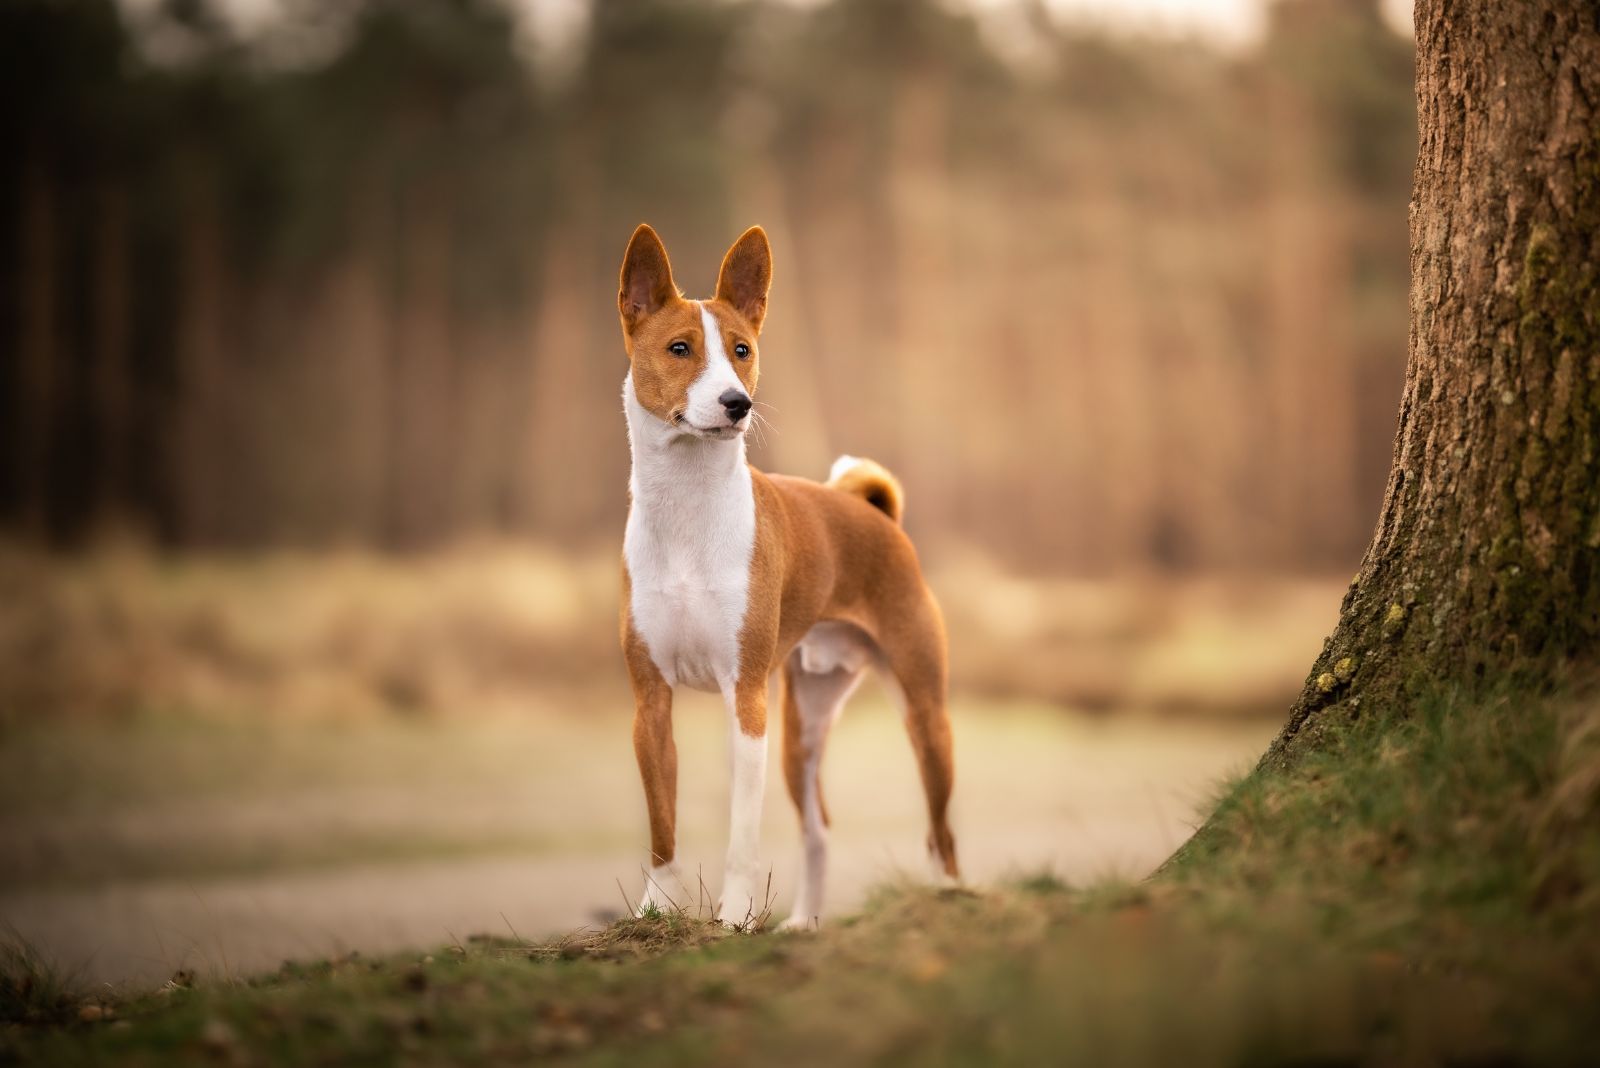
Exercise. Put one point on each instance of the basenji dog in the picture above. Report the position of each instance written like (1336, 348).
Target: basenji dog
(730, 575)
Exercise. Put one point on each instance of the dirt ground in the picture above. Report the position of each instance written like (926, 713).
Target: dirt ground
(154, 846)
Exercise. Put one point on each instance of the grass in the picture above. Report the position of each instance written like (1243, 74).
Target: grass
(33, 991)
(1483, 816)
(1425, 890)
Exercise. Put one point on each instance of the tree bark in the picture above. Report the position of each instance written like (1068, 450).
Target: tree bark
(202, 430)
(112, 328)
(1485, 564)
(39, 358)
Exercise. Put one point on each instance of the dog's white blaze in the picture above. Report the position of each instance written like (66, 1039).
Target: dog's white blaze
(690, 536)
(705, 406)
(743, 886)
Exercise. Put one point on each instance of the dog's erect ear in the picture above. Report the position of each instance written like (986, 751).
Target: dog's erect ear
(746, 275)
(646, 282)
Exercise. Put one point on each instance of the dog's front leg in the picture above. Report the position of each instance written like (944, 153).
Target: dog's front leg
(744, 890)
(657, 754)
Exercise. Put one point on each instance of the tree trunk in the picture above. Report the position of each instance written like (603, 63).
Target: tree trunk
(203, 433)
(1485, 564)
(37, 351)
(112, 330)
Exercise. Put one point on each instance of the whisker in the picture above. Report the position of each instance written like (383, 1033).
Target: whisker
(759, 424)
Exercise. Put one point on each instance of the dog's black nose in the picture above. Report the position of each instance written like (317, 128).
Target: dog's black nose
(736, 402)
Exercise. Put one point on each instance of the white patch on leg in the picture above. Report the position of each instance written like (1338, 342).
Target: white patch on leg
(663, 889)
(807, 913)
(830, 661)
(744, 886)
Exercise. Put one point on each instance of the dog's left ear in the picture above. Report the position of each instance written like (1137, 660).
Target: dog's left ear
(746, 275)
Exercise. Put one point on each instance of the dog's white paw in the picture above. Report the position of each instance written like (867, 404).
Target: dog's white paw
(938, 878)
(745, 922)
(740, 909)
(799, 922)
(662, 890)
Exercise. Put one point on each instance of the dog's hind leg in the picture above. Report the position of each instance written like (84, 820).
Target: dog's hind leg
(811, 703)
(914, 654)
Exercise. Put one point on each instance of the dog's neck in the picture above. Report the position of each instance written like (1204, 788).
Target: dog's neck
(675, 473)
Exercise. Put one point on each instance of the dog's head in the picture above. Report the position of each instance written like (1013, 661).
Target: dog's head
(694, 362)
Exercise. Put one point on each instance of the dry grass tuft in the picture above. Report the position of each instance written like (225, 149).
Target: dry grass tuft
(33, 991)
(633, 938)
(652, 931)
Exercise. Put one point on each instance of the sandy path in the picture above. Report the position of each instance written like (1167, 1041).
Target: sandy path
(1035, 790)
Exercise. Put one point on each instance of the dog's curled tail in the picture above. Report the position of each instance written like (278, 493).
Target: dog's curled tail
(870, 481)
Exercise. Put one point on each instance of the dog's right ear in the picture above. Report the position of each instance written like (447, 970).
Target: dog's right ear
(646, 282)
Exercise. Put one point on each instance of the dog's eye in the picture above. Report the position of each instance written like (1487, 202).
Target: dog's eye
(742, 351)
(679, 348)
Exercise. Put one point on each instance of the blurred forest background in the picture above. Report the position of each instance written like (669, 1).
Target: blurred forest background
(313, 470)
(1123, 311)
(1108, 304)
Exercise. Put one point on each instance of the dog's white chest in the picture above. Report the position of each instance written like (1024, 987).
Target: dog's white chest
(690, 538)
(689, 621)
